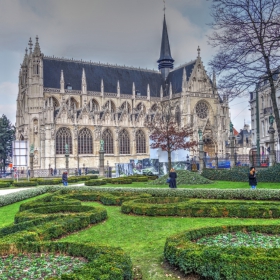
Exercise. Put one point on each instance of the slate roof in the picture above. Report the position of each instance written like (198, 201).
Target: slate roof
(175, 76)
(110, 74)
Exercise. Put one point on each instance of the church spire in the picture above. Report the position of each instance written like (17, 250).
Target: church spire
(37, 50)
(165, 62)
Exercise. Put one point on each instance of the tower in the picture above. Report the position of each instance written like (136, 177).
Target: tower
(165, 61)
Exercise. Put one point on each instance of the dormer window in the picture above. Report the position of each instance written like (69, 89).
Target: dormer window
(69, 87)
(138, 93)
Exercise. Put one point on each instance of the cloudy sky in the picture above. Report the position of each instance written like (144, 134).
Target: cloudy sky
(123, 32)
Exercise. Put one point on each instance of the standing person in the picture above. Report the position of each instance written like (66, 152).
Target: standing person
(252, 178)
(172, 176)
(64, 179)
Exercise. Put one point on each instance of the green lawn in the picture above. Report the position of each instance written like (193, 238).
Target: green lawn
(143, 237)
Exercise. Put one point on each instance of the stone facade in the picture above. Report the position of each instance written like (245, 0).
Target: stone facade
(79, 103)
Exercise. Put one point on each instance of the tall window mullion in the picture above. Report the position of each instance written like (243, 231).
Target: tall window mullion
(85, 142)
(124, 142)
(63, 136)
(108, 142)
(140, 142)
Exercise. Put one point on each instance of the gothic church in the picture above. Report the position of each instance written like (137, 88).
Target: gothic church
(74, 102)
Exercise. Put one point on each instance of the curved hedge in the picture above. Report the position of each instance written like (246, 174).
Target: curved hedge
(178, 206)
(214, 262)
(53, 216)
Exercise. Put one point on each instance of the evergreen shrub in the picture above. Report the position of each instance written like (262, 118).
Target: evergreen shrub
(240, 174)
(25, 184)
(95, 182)
(178, 206)
(184, 177)
(214, 262)
(55, 181)
(5, 184)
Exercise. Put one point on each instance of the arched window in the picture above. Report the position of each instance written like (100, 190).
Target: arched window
(72, 103)
(124, 142)
(108, 141)
(21, 138)
(85, 142)
(141, 107)
(93, 105)
(154, 108)
(140, 142)
(63, 136)
(126, 106)
(111, 106)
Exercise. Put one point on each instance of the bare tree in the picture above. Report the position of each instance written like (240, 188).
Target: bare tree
(247, 33)
(166, 130)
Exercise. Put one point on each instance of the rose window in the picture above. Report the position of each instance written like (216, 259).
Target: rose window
(201, 110)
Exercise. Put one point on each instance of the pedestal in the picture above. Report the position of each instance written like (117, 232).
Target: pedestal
(67, 163)
(31, 160)
(201, 155)
(101, 163)
(232, 159)
(271, 132)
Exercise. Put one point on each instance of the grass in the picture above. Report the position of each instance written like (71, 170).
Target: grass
(143, 237)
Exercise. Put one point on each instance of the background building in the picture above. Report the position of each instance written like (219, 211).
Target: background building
(262, 95)
(78, 103)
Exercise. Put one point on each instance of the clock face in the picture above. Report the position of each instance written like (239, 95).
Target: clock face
(201, 109)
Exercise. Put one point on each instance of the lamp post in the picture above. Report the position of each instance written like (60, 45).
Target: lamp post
(201, 151)
(31, 160)
(101, 158)
(67, 158)
(232, 138)
(271, 132)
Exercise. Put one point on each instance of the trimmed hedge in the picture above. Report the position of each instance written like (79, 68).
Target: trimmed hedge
(55, 181)
(56, 215)
(178, 206)
(138, 178)
(240, 174)
(120, 180)
(95, 182)
(25, 184)
(5, 184)
(214, 262)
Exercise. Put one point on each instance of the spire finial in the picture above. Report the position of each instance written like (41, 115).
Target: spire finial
(198, 51)
(30, 45)
(164, 8)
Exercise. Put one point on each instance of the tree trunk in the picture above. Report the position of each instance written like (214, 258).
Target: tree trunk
(169, 160)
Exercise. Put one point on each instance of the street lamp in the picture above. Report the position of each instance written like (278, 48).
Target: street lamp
(67, 157)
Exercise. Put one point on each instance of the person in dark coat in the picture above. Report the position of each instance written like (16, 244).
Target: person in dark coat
(172, 176)
(64, 179)
(252, 178)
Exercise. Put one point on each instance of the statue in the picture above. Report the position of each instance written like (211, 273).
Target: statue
(231, 127)
(66, 149)
(271, 120)
(200, 134)
(101, 145)
(32, 149)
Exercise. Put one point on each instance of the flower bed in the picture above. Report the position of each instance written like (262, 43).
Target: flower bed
(178, 206)
(216, 262)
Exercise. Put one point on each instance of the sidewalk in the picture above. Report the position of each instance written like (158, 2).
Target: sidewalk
(4, 192)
